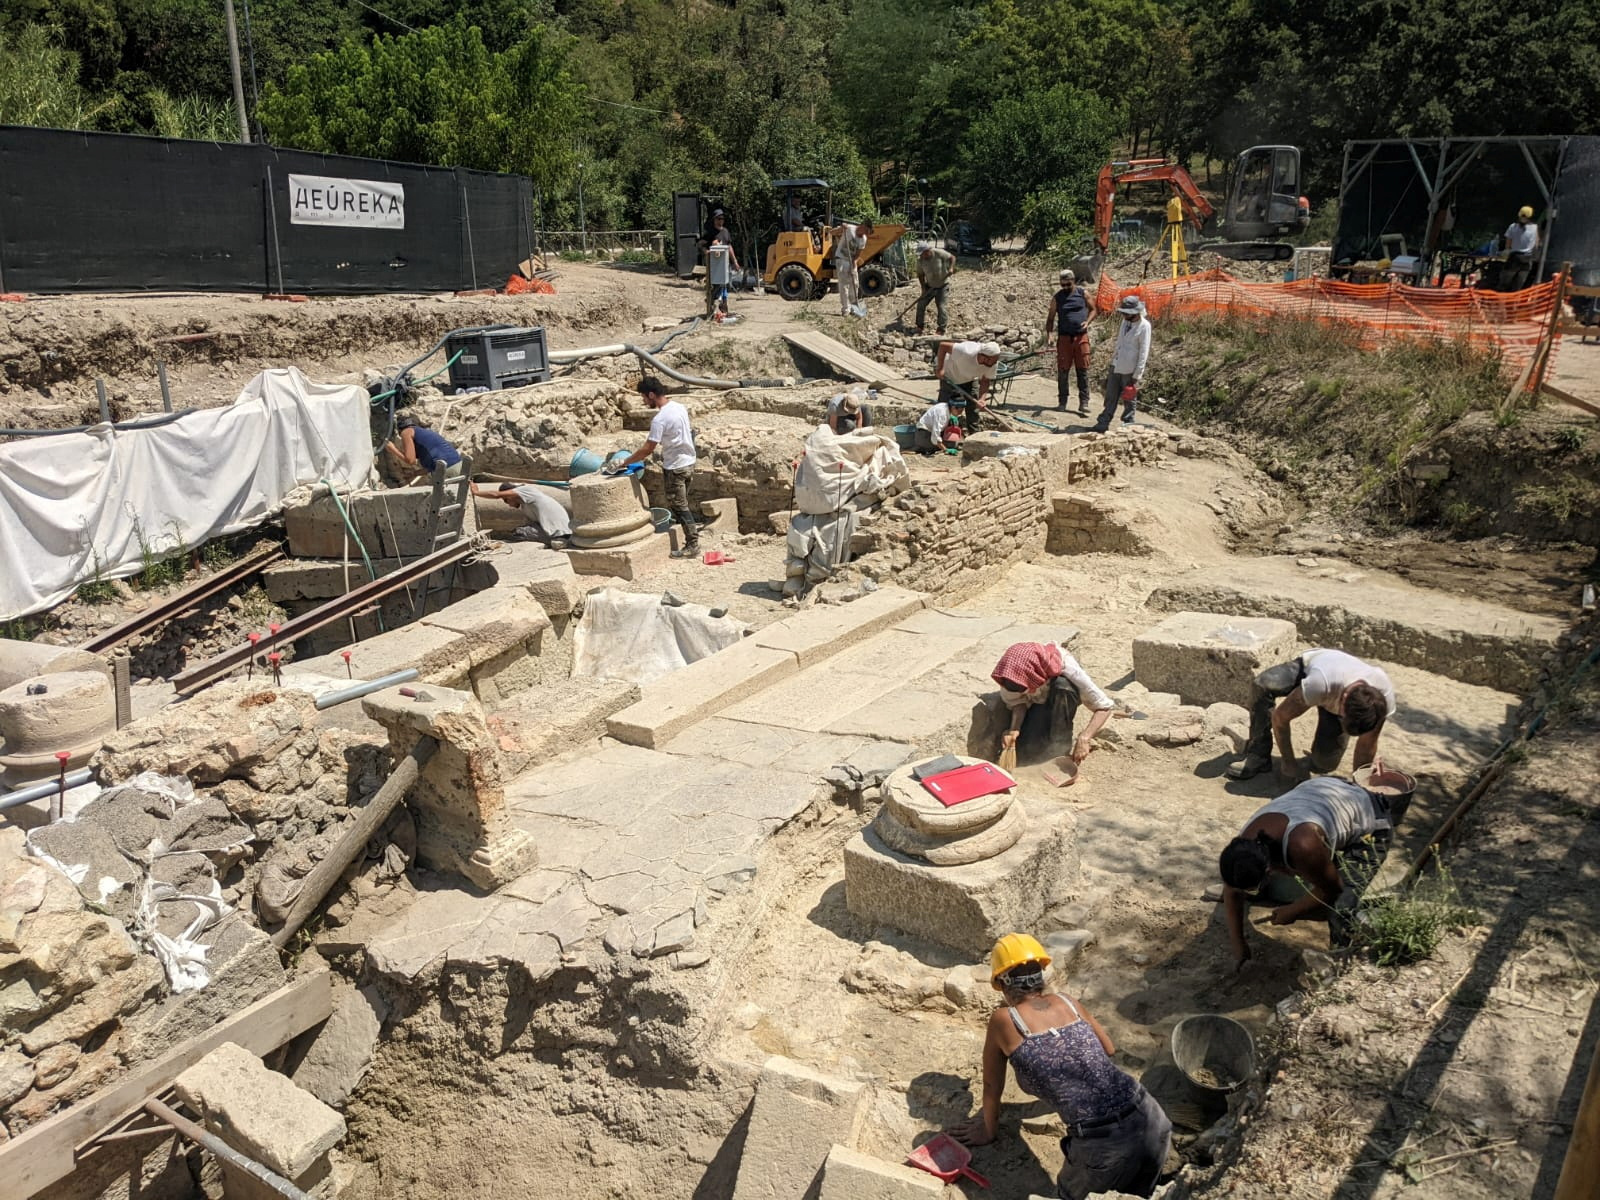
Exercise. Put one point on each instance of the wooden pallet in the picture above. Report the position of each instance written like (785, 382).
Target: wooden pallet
(839, 356)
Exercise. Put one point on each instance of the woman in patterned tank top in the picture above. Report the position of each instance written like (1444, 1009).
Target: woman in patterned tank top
(1117, 1136)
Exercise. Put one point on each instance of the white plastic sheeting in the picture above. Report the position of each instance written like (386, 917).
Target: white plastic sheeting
(637, 638)
(75, 505)
(840, 468)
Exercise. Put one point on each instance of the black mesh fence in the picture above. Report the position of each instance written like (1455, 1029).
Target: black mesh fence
(113, 212)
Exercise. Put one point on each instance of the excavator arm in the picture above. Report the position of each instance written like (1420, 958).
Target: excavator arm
(1197, 210)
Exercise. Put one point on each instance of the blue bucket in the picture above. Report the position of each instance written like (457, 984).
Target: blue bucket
(587, 462)
(905, 436)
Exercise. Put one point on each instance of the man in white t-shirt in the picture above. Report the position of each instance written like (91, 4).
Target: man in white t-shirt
(670, 433)
(847, 247)
(966, 369)
(1521, 239)
(929, 435)
(1352, 699)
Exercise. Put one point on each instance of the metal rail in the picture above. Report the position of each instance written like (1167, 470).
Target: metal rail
(222, 1150)
(337, 609)
(188, 598)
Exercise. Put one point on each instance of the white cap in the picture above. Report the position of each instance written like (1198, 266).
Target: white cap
(924, 247)
(989, 350)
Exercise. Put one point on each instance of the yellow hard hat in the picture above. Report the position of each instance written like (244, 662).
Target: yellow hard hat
(1012, 951)
(1525, 212)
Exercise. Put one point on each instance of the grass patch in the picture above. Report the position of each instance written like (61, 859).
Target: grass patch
(639, 258)
(1311, 386)
(1400, 929)
(19, 629)
(97, 590)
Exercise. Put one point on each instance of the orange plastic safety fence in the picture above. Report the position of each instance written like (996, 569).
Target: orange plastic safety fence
(1510, 324)
(518, 286)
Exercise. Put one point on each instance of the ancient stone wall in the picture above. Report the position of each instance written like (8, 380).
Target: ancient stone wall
(1084, 524)
(83, 996)
(532, 432)
(1102, 455)
(949, 534)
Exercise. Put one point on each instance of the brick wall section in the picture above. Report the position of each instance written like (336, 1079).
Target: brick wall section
(950, 534)
(1102, 455)
(1085, 524)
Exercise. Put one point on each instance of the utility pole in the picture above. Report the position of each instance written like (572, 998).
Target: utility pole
(238, 75)
(583, 226)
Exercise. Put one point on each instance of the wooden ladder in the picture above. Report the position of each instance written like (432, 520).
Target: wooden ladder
(444, 530)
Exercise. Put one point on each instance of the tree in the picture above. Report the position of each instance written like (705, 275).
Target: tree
(39, 81)
(1053, 144)
(435, 96)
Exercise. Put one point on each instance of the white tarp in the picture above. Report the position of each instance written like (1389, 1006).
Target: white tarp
(840, 468)
(637, 638)
(76, 504)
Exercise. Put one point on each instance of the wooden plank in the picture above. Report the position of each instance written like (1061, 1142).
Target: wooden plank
(1581, 1167)
(1565, 397)
(837, 354)
(38, 1157)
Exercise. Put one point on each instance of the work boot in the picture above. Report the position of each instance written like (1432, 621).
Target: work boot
(1248, 767)
(1127, 417)
(690, 551)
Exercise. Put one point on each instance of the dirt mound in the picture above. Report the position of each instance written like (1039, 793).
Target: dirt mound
(53, 349)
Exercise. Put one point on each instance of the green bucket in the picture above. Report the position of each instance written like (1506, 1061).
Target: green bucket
(905, 436)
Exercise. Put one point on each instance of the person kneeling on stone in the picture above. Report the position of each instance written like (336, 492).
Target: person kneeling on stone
(1352, 699)
(1117, 1135)
(1312, 852)
(543, 518)
(1041, 686)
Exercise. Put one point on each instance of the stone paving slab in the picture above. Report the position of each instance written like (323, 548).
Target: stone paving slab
(955, 622)
(820, 633)
(702, 689)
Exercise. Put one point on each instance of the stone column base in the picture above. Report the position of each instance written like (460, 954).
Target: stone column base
(971, 906)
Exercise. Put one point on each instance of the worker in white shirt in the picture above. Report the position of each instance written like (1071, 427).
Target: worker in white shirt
(1521, 240)
(852, 240)
(1353, 699)
(966, 372)
(669, 433)
(1127, 363)
(1041, 686)
(929, 435)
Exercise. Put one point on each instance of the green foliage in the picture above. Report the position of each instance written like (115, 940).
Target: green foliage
(194, 117)
(1399, 929)
(97, 590)
(1049, 146)
(435, 96)
(39, 82)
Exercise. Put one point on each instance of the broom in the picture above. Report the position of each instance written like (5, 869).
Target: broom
(1008, 760)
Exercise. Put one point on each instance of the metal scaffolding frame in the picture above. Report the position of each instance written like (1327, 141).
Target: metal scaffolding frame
(1454, 157)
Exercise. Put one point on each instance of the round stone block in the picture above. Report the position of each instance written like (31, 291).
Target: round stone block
(987, 842)
(74, 713)
(608, 510)
(917, 808)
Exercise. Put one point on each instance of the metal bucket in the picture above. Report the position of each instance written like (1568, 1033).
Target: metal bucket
(1215, 1053)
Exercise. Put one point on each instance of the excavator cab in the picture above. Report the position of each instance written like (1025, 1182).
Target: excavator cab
(1265, 201)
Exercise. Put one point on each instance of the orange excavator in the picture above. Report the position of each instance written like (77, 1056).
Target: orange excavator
(1264, 204)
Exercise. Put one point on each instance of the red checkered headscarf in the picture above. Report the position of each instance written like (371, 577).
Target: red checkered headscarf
(1029, 663)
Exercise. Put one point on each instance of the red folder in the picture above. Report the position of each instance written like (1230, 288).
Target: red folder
(968, 783)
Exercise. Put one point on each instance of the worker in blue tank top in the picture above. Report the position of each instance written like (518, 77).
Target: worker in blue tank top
(417, 449)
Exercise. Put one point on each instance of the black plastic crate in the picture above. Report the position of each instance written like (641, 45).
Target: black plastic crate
(497, 356)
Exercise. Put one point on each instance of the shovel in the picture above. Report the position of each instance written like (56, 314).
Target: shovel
(946, 1158)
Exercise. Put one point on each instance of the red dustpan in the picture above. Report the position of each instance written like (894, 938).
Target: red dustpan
(947, 1158)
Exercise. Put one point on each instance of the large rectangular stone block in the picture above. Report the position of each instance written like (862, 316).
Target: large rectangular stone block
(797, 1117)
(968, 907)
(702, 689)
(394, 522)
(634, 561)
(258, 1112)
(1211, 657)
(851, 1175)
